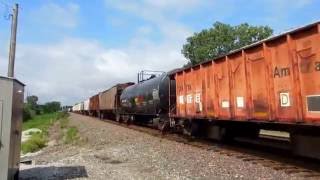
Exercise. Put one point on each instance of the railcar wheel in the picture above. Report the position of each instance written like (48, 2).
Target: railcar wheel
(163, 125)
(127, 119)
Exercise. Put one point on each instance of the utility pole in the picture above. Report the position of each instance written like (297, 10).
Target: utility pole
(12, 51)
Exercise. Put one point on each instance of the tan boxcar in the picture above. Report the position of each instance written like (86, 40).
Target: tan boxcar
(275, 81)
(94, 105)
(109, 100)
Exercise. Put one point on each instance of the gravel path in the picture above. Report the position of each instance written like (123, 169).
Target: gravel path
(114, 152)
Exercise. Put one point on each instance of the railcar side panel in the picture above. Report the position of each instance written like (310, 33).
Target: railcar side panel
(221, 73)
(258, 76)
(107, 99)
(209, 93)
(180, 94)
(275, 80)
(308, 56)
(282, 80)
(94, 103)
(239, 88)
(197, 92)
(188, 80)
(86, 105)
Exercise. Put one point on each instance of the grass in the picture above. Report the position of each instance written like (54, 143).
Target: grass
(71, 136)
(43, 122)
(64, 123)
(35, 143)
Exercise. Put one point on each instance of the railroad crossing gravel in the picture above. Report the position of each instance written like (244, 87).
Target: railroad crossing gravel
(114, 152)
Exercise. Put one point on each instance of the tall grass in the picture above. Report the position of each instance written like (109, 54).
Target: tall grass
(43, 122)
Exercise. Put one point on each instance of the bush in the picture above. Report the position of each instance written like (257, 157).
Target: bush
(62, 115)
(28, 113)
(35, 143)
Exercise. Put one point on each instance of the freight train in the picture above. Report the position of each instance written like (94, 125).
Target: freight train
(273, 85)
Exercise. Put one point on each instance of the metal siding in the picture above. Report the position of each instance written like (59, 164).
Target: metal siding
(239, 89)
(197, 93)
(264, 75)
(94, 103)
(180, 95)
(11, 96)
(283, 82)
(188, 80)
(222, 88)
(107, 99)
(308, 57)
(86, 105)
(258, 74)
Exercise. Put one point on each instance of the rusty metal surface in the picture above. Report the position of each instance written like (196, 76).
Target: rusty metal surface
(275, 80)
(94, 103)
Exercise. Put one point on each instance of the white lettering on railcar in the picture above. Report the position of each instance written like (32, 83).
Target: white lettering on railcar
(189, 98)
(197, 98)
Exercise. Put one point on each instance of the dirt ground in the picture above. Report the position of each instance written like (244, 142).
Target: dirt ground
(108, 151)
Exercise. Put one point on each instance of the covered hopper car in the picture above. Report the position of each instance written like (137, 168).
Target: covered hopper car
(109, 101)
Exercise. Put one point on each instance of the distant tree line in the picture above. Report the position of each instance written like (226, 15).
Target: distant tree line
(220, 39)
(32, 108)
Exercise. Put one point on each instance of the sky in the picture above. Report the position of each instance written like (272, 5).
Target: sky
(69, 50)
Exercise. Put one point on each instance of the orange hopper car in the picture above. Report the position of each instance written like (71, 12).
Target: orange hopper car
(272, 84)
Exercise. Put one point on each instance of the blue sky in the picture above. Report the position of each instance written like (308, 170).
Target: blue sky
(69, 50)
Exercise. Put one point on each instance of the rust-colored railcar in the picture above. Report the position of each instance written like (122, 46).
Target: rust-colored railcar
(94, 105)
(275, 81)
(109, 100)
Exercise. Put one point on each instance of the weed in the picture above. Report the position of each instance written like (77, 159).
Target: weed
(43, 122)
(71, 135)
(64, 123)
(62, 115)
(35, 143)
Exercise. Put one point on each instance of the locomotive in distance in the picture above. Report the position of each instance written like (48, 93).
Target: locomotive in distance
(273, 84)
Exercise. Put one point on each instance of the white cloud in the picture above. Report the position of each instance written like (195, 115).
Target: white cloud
(162, 14)
(71, 69)
(52, 14)
(75, 69)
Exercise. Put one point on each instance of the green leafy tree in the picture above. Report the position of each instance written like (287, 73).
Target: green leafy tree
(32, 101)
(50, 107)
(221, 39)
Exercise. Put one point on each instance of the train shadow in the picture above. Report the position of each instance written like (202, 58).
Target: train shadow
(53, 172)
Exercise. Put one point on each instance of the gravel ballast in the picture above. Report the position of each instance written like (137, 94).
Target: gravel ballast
(114, 152)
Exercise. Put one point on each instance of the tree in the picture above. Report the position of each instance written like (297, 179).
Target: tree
(221, 39)
(50, 107)
(32, 101)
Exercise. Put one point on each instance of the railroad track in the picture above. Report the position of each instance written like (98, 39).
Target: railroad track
(281, 161)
